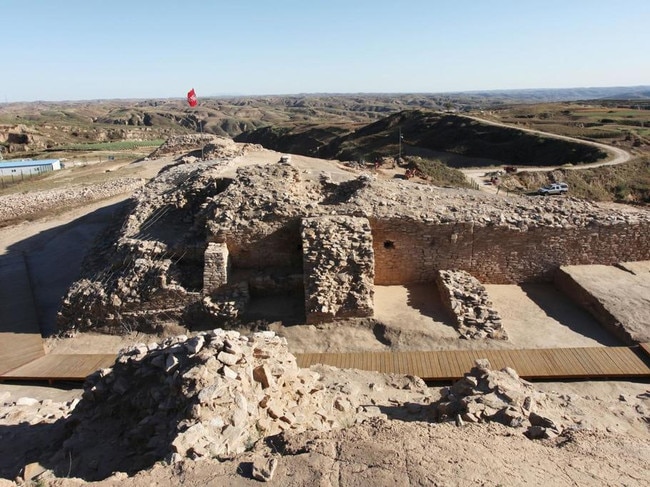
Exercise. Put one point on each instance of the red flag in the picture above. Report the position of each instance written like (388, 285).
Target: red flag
(191, 98)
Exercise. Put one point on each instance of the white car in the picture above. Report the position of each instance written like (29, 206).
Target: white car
(555, 188)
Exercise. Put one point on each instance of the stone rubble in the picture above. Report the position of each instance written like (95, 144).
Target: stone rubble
(467, 300)
(228, 303)
(486, 395)
(23, 204)
(264, 468)
(213, 395)
(214, 146)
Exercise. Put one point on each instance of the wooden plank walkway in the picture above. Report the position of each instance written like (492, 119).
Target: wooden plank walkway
(68, 367)
(448, 365)
(556, 363)
(18, 349)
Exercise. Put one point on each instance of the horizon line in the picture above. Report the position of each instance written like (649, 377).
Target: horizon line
(334, 93)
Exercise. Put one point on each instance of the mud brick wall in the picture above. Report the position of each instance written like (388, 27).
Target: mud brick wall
(338, 268)
(407, 251)
(217, 267)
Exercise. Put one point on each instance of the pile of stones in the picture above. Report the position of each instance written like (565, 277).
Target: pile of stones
(183, 143)
(468, 301)
(486, 395)
(213, 395)
(226, 148)
(228, 303)
(26, 203)
(214, 147)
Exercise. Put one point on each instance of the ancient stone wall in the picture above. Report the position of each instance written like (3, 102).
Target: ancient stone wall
(467, 301)
(276, 244)
(408, 251)
(217, 266)
(338, 267)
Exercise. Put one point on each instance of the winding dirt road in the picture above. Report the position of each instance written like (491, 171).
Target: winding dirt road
(616, 155)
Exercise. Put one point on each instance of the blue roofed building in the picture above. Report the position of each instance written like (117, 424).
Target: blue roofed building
(23, 167)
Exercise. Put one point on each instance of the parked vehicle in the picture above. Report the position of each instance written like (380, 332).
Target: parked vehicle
(555, 188)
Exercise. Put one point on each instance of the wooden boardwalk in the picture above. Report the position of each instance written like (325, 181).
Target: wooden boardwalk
(557, 363)
(62, 367)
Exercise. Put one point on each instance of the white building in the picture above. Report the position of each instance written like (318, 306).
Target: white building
(22, 168)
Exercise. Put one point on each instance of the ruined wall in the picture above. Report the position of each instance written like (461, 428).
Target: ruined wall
(467, 301)
(262, 246)
(217, 266)
(408, 251)
(339, 268)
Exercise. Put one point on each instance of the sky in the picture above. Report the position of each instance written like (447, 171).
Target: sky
(98, 49)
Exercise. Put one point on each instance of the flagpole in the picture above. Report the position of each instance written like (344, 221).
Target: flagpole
(202, 144)
(191, 100)
(399, 158)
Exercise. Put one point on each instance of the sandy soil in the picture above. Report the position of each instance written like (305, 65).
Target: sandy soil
(412, 318)
(539, 316)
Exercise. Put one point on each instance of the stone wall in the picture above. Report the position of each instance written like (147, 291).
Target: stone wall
(408, 251)
(216, 268)
(273, 244)
(338, 267)
(467, 301)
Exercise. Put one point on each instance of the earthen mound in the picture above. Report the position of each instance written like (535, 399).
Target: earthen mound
(211, 396)
(201, 237)
(214, 146)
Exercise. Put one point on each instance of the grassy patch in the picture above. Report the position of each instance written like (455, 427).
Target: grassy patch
(438, 173)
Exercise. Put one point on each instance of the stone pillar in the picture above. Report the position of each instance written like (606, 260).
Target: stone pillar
(338, 266)
(216, 267)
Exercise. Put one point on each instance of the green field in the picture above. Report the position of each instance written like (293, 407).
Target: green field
(116, 146)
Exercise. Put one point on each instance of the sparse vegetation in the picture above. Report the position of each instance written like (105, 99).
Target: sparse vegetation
(439, 173)
(624, 183)
(621, 122)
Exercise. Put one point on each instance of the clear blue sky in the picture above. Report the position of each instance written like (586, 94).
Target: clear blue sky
(89, 49)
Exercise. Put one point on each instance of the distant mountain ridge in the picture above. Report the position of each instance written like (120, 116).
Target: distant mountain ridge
(562, 94)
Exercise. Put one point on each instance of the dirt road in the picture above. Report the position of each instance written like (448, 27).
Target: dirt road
(616, 156)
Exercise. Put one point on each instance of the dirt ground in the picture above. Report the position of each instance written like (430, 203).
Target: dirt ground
(610, 448)
(608, 444)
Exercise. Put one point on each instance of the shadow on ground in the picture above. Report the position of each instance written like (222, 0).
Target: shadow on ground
(559, 307)
(54, 258)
